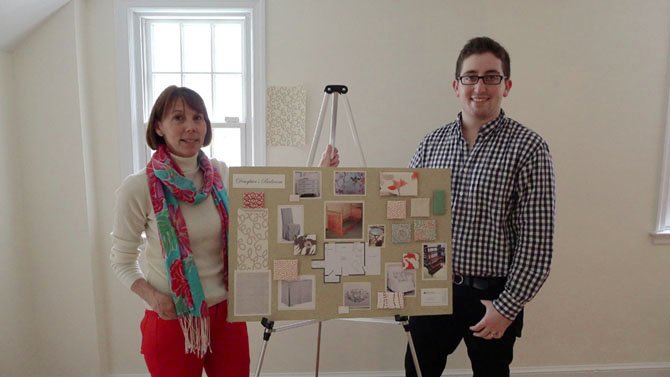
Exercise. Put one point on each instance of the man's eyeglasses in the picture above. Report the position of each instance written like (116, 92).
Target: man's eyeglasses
(487, 79)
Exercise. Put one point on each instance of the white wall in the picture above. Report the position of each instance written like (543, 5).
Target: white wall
(591, 77)
(15, 318)
(52, 182)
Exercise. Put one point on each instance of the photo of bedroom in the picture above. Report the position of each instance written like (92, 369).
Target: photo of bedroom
(343, 220)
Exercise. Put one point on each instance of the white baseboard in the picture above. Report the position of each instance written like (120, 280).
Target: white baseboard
(600, 370)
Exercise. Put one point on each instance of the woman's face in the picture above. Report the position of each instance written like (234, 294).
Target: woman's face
(183, 129)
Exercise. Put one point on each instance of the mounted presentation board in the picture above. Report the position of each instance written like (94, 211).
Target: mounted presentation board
(323, 243)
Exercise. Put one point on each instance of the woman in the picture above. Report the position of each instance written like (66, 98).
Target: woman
(180, 202)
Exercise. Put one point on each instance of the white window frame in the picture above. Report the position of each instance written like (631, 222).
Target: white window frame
(129, 14)
(662, 233)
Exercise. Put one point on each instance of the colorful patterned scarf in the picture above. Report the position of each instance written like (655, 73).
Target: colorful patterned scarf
(167, 187)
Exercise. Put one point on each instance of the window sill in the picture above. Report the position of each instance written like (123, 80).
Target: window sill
(660, 238)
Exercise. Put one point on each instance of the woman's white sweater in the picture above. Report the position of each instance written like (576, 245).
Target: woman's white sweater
(134, 215)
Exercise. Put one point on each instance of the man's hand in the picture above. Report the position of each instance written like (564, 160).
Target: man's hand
(492, 325)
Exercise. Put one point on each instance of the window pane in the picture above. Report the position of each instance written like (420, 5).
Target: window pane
(202, 84)
(165, 47)
(160, 81)
(197, 48)
(226, 146)
(228, 97)
(228, 47)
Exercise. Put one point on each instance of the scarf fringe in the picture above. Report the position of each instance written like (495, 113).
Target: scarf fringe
(196, 334)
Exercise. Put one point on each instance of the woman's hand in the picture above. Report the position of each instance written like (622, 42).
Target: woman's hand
(327, 161)
(164, 306)
(160, 303)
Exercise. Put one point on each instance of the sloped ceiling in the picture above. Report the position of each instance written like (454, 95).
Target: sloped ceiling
(19, 17)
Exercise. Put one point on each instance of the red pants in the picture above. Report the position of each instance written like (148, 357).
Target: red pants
(163, 347)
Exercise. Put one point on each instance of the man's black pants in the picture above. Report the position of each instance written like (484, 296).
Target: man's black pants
(435, 337)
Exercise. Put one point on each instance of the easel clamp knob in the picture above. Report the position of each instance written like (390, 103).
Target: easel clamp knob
(342, 89)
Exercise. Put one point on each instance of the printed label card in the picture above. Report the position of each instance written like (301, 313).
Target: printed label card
(434, 297)
(259, 181)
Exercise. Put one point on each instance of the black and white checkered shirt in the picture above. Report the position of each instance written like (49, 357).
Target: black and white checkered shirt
(502, 201)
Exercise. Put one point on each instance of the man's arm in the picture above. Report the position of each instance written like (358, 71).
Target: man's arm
(417, 158)
(534, 223)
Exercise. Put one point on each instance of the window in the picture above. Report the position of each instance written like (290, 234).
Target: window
(662, 233)
(213, 47)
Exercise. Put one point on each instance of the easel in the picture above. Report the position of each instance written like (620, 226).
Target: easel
(269, 329)
(333, 91)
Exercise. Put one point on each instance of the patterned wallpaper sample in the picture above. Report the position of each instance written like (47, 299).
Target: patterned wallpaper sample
(286, 108)
(252, 239)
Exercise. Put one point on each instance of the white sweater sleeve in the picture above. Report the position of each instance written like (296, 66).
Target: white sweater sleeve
(223, 170)
(130, 219)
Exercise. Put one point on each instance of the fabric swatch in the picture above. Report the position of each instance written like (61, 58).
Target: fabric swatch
(254, 199)
(439, 202)
(285, 269)
(252, 239)
(410, 261)
(425, 230)
(286, 108)
(396, 209)
(390, 300)
(401, 233)
(252, 292)
(398, 183)
(420, 207)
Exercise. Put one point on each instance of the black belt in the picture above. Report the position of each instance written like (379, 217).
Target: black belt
(479, 283)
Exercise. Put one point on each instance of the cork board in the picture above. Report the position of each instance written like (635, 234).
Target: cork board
(323, 243)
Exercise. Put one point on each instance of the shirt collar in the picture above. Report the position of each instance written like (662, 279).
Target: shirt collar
(487, 128)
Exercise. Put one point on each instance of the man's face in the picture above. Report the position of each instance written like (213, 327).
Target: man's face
(481, 102)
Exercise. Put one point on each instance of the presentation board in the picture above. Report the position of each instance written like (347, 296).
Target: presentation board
(323, 243)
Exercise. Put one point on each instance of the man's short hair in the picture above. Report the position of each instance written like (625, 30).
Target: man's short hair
(482, 45)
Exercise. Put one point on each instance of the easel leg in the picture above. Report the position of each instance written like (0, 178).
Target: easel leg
(266, 337)
(405, 325)
(318, 350)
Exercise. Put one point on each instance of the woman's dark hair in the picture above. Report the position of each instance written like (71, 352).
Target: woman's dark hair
(165, 101)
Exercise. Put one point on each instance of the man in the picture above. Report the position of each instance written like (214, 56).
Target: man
(502, 195)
